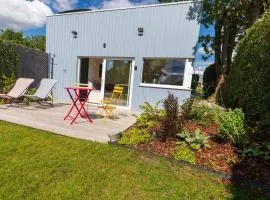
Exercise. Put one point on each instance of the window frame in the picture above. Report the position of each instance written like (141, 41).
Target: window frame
(164, 86)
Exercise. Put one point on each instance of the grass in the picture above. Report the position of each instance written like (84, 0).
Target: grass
(38, 165)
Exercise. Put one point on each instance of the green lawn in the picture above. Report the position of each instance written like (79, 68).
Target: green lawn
(39, 165)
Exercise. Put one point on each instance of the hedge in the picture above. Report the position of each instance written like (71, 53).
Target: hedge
(8, 60)
(209, 78)
(248, 82)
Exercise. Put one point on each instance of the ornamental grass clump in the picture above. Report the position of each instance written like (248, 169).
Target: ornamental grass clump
(232, 127)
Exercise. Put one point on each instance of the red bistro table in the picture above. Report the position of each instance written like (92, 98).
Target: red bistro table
(78, 98)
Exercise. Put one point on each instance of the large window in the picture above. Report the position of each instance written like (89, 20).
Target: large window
(163, 71)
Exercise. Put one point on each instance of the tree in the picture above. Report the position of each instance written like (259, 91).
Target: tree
(10, 35)
(230, 19)
(36, 42)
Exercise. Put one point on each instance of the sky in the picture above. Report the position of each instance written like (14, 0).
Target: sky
(29, 16)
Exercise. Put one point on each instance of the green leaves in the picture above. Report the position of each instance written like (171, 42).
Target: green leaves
(184, 153)
(194, 140)
(35, 42)
(8, 63)
(8, 82)
(258, 150)
(232, 127)
(135, 136)
(248, 81)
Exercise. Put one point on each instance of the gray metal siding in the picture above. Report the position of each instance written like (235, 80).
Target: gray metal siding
(167, 33)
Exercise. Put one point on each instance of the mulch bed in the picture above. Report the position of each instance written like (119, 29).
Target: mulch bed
(162, 148)
(222, 157)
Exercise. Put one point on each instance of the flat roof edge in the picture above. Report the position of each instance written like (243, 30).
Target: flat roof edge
(133, 7)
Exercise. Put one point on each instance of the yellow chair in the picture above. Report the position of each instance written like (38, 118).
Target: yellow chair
(108, 106)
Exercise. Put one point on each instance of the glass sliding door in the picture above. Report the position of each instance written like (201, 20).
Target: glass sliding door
(117, 81)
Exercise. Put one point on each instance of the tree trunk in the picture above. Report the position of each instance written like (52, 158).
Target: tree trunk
(225, 55)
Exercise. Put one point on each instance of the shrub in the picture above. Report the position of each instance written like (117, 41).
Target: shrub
(150, 117)
(247, 85)
(170, 124)
(195, 81)
(151, 112)
(232, 127)
(201, 113)
(8, 82)
(135, 136)
(8, 61)
(209, 80)
(186, 107)
(194, 140)
(258, 150)
(184, 153)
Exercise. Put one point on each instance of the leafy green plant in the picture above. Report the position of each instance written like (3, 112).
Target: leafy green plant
(203, 114)
(171, 122)
(8, 82)
(247, 84)
(258, 150)
(135, 136)
(199, 90)
(31, 91)
(194, 140)
(232, 127)
(150, 115)
(184, 153)
(8, 61)
(186, 107)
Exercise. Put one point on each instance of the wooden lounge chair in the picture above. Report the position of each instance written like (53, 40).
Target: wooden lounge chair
(19, 88)
(44, 89)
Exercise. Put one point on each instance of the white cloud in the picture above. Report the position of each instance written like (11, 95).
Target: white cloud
(202, 64)
(23, 14)
(61, 5)
(108, 4)
(202, 52)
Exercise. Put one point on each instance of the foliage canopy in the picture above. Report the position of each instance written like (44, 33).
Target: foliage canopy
(248, 81)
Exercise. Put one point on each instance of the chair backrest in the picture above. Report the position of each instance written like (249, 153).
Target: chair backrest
(20, 87)
(117, 94)
(45, 87)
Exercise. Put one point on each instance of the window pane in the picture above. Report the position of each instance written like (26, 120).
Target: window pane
(164, 71)
(117, 75)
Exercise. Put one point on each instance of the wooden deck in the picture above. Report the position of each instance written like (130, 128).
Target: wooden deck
(52, 119)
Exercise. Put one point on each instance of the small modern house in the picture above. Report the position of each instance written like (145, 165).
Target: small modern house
(147, 50)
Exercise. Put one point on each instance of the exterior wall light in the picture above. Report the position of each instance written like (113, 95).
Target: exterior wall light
(74, 33)
(140, 31)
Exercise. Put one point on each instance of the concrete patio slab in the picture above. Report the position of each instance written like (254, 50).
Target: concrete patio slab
(52, 119)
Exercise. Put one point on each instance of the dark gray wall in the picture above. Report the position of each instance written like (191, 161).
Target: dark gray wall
(32, 64)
